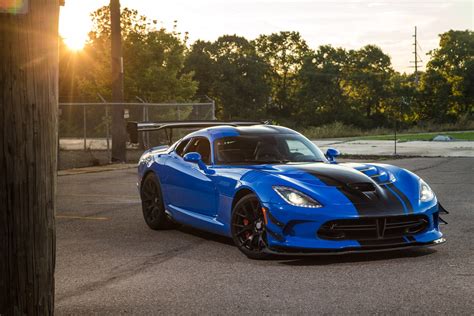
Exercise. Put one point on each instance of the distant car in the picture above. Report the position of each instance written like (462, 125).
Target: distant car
(274, 192)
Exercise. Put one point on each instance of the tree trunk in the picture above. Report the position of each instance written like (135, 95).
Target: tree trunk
(28, 145)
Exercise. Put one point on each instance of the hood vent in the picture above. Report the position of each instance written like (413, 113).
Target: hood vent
(365, 187)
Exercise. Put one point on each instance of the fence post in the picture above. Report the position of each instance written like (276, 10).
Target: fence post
(145, 119)
(84, 116)
(109, 156)
(213, 107)
(213, 110)
(107, 128)
(147, 134)
(145, 141)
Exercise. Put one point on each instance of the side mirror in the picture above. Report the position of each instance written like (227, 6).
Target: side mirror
(192, 157)
(195, 157)
(331, 154)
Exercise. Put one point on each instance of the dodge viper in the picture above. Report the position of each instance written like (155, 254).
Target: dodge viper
(273, 191)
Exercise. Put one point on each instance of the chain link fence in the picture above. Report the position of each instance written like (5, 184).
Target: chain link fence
(86, 127)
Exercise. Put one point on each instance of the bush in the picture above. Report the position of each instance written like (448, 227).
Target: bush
(338, 129)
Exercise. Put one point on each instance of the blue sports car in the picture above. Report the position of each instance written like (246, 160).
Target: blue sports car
(274, 192)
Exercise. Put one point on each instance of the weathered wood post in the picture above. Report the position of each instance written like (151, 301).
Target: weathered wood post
(28, 155)
(119, 135)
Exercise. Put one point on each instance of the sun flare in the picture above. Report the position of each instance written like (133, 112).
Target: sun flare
(74, 26)
(75, 41)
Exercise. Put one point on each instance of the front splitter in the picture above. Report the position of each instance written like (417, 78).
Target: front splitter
(287, 251)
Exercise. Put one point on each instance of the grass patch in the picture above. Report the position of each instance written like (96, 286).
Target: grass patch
(463, 135)
(461, 130)
(338, 130)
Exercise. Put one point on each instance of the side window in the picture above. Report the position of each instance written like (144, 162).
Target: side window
(202, 146)
(180, 148)
(295, 146)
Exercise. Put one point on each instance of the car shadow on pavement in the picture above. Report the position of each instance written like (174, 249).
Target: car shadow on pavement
(316, 259)
(206, 235)
(357, 257)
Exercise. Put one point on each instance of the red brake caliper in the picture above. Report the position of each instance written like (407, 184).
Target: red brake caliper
(247, 233)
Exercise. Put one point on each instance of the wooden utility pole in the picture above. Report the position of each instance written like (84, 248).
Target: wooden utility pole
(28, 144)
(119, 135)
(416, 56)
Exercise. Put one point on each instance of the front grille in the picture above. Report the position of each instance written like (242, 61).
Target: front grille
(373, 228)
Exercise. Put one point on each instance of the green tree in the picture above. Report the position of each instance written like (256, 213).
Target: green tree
(402, 103)
(230, 71)
(448, 84)
(367, 82)
(153, 69)
(285, 52)
(200, 61)
(320, 97)
(241, 88)
(154, 65)
(153, 60)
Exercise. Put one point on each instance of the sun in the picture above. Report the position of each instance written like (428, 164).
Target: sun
(74, 26)
(75, 41)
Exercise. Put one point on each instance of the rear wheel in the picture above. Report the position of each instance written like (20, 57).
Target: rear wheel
(152, 204)
(248, 227)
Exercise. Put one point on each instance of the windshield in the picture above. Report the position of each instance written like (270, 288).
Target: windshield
(263, 149)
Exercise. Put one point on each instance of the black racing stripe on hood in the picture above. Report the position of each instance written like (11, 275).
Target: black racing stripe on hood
(402, 196)
(381, 202)
(334, 175)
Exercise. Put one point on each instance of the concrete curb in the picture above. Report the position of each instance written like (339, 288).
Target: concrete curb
(405, 149)
(95, 169)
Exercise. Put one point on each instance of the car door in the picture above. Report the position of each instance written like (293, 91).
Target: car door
(188, 187)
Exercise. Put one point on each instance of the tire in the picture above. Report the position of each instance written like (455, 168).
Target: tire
(248, 227)
(152, 204)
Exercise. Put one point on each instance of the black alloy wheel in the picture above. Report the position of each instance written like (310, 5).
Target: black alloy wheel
(152, 204)
(248, 227)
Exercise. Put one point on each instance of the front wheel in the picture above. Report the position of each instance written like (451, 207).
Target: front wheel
(248, 227)
(152, 204)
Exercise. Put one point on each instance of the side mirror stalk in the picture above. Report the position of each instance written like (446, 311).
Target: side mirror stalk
(195, 157)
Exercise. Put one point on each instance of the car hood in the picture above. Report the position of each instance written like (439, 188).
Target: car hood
(370, 188)
(324, 174)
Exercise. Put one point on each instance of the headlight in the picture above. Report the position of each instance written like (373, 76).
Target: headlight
(426, 194)
(295, 197)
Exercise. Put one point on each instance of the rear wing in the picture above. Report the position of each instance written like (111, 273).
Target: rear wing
(133, 128)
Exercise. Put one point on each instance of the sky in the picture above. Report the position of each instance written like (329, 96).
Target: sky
(342, 23)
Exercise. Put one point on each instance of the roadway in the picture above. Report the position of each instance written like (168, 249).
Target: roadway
(109, 262)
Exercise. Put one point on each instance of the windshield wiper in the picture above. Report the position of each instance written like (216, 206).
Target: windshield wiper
(261, 162)
(312, 160)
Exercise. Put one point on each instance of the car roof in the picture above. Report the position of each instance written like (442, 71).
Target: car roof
(217, 132)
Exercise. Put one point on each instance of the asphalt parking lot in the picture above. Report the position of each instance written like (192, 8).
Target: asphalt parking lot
(109, 262)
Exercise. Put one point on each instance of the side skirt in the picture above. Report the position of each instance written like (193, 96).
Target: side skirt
(196, 220)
